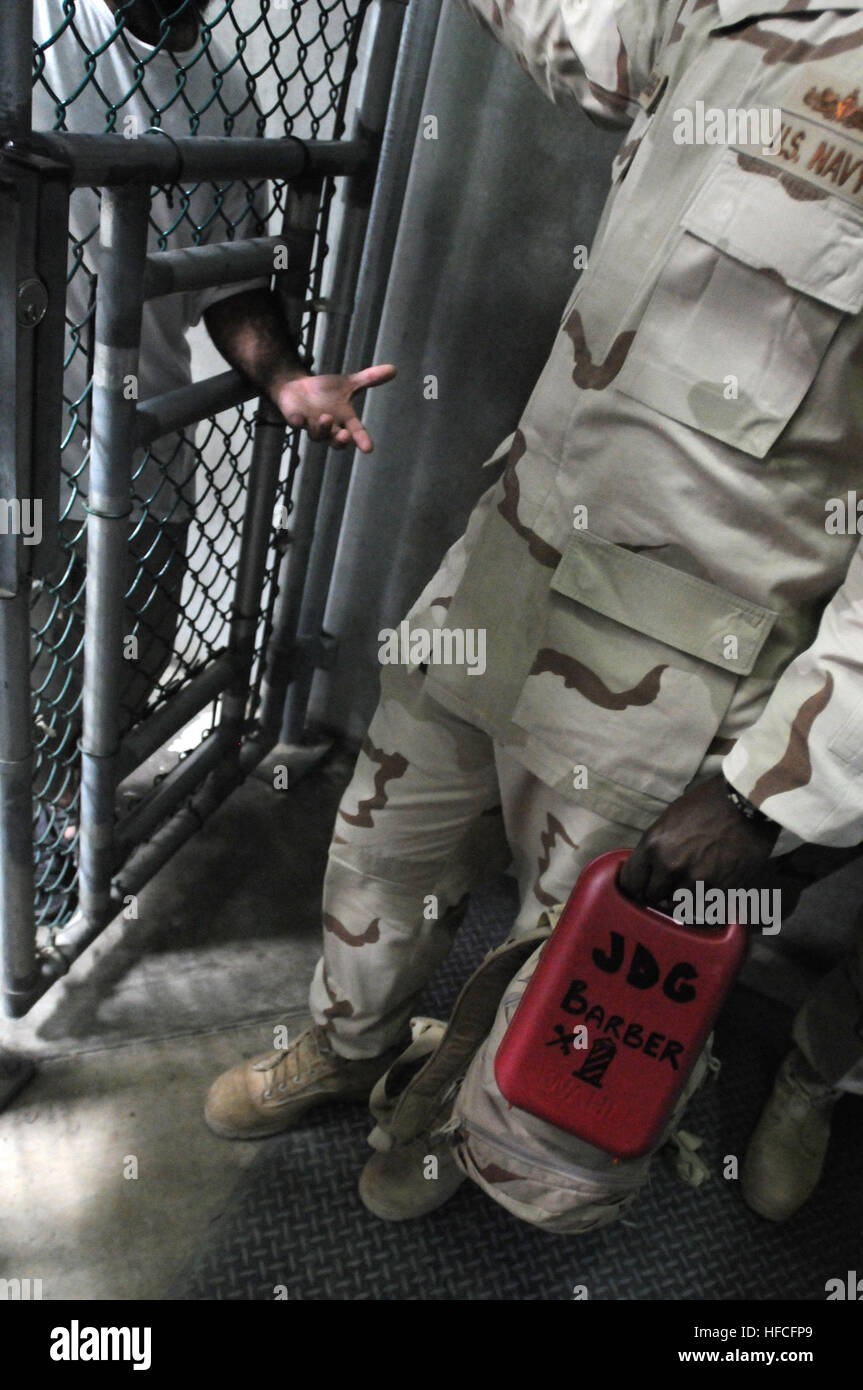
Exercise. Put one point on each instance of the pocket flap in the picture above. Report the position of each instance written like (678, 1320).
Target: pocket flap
(667, 604)
(756, 211)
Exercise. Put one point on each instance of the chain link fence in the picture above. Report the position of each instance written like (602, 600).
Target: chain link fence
(184, 68)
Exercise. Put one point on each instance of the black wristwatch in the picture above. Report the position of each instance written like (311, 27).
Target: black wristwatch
(745, 807)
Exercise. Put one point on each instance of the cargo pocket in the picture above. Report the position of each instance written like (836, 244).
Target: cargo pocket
(636, 666)
(761, 274)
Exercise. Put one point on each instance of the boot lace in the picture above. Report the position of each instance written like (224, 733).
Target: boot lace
(287, 1067)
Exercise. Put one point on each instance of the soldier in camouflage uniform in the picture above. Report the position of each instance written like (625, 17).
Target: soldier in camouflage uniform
(669, 611)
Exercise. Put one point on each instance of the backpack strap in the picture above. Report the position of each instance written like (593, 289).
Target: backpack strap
(422, 1098)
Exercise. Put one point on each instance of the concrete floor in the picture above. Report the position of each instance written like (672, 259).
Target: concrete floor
(127, 1044)
(224, 947)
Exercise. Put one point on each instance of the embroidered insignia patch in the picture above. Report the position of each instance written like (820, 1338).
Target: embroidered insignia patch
(846, 110)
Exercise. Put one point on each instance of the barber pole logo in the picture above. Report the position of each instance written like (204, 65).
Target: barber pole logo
(597, 1062)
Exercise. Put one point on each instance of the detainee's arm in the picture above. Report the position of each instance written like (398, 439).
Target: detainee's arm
(250, 331)
(597, 54)
(247, 325)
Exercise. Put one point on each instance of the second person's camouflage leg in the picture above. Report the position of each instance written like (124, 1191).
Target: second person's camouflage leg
(418, 827)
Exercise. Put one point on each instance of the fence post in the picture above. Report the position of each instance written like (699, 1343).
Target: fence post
(288, 661)
(122, 252)
(16, 46)
(302, 210)
(17, 923)
(17, 227)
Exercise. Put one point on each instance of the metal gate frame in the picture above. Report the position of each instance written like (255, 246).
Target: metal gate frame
(37, 172)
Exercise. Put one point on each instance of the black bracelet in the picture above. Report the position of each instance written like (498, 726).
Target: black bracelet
(744, 806)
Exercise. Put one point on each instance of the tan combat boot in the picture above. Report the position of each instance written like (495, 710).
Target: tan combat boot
(786, 1153)
(270, 1093)
(414, 1170)
(410, 1181)
(412, 1176)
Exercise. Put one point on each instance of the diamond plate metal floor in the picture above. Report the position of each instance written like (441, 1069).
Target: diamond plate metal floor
(295, 1219)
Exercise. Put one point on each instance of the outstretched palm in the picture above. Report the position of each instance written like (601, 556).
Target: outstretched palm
(322, 405)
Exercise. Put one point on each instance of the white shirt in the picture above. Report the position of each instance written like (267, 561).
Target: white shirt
(131, 87)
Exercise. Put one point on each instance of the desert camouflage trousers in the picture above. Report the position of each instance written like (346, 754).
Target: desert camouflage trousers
(435, 807)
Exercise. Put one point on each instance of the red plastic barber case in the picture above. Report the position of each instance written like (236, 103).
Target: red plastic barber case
(615, 1015)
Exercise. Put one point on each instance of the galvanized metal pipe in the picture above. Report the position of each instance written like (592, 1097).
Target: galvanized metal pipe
(150, 857)
(180, 781)
(17, 926)
(302, 210)
(19, 200)
(147, 738)
(285, 661)
(256, 533)
(17, 923)
(222, 263)
(389, 104)
(123, 247)
(108, 161)
(72, 940)
(16, 47)
(301, 217)
(17, 238)
(176, 410)
(50, 344)
(282, 665)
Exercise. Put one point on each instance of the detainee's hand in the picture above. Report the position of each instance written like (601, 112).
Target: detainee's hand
(700, 836)
(322, 405)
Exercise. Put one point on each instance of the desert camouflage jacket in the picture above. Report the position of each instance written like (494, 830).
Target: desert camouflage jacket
(676, 524)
